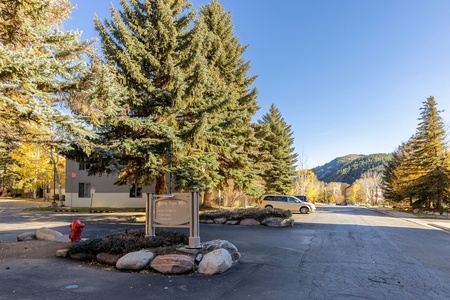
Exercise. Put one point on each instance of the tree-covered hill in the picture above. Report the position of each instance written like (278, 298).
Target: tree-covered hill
(350, 167)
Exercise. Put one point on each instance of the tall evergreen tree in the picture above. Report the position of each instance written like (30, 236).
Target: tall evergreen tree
(41, 69)
(430, 157)
(420, 169)
(276, 152)
(189, 96)
(229, 102)
(226, 56)
(147, 42)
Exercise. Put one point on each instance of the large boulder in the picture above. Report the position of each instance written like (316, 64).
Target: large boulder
(215, 262)
(220, 220)
(250, 222)
(222, 244)
(47, 234)
(173, 263)
(62, 252)
(135, 260)
(26, 236)
(278, 222)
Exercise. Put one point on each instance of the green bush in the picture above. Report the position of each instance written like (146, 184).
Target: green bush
(248, 213)
(128, 241)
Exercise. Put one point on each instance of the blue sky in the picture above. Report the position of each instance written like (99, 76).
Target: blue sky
(349, 76)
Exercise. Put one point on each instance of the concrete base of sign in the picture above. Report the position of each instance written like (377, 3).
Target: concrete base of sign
(194, 242)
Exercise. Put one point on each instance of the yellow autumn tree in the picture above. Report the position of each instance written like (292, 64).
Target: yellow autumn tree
(33, 168)
(306, 183)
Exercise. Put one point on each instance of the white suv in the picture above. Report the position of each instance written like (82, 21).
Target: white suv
(286, 202)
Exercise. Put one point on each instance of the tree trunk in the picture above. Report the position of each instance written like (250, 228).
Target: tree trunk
(4, 191)
(207, 199)
(439, 202)
(160, 185)
(58, 182)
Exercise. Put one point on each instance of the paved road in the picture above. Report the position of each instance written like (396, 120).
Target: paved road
(335, 253)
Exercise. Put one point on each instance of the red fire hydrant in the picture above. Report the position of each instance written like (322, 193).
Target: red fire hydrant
(76, 228)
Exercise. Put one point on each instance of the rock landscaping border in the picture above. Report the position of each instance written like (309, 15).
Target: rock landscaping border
(249, 217)
(214, 257)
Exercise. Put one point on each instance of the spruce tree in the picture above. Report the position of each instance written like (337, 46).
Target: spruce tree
(229, 102)
(430, 156)
(188, 100)
(147, 44)
(420, 169)
(43, 68)
(276, 152)
(236, 147)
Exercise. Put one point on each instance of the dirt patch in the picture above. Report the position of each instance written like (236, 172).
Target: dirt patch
(30, 250)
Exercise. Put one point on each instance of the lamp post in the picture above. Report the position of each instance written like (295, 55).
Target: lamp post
(44, 192)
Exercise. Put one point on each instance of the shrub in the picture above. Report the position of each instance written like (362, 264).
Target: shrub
(248, 213)
(128, 241)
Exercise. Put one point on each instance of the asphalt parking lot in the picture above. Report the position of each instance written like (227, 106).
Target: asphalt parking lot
(335, 253)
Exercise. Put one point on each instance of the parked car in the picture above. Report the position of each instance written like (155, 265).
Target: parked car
(291, 203)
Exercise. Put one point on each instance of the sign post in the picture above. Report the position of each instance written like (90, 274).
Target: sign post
(92, 196)
(174, 210)
(194, 229)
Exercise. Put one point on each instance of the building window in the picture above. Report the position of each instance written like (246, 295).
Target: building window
(84, 190)
(83, 166)
(135, 191)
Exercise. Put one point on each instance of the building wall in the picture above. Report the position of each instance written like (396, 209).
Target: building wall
(106, 193)
(119, 200)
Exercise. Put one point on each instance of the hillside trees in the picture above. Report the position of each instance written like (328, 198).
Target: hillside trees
(276, 154)
(422, 167)
(351, 167)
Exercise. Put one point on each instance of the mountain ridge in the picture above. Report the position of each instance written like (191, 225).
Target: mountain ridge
(350, 167)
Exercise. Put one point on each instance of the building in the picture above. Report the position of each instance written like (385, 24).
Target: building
(99, 191)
